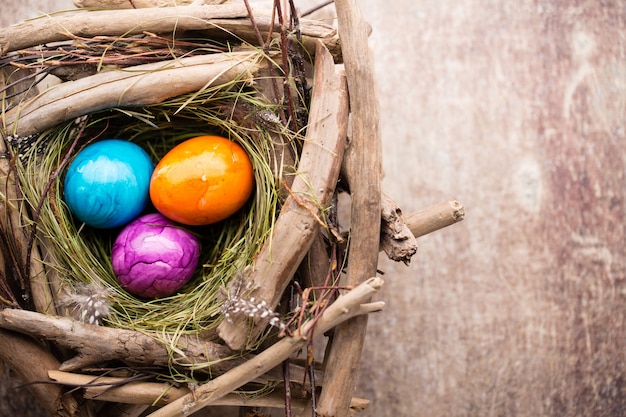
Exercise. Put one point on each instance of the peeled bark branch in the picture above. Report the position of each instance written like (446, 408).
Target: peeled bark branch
(363, 166)
(351, 304)
(299, 221)
(97, 344)
(118, 390)
(217, 21)
(140, 85)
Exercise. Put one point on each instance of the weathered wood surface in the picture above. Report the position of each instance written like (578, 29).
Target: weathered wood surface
(518, 110)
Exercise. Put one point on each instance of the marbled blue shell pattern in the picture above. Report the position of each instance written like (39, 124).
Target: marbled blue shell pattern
(107, 183)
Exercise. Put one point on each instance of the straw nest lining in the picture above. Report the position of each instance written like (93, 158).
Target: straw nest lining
(80, 256)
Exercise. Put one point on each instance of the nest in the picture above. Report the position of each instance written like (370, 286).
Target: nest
(280, 270)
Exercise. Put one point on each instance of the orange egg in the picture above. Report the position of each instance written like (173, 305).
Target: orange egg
(202, 181)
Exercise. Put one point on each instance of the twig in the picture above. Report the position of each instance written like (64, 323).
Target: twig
(295, 228)
(435, 217)
(120, 390)
(347, 306)
(217, 21)
(98, 344)
(362, 165)
(139, 85)
(271, 69)
(284, 43)
(30, 360)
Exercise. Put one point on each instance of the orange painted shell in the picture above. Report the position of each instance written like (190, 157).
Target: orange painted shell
(202, 180)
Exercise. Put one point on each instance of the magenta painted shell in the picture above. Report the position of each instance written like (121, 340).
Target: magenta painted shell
(154, 257)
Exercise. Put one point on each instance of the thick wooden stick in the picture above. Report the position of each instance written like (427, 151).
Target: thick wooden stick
(435, 217)
(118, 390)
(217, 21)
(363, 168)
(299, 219)
(139, 85)
(351, 304)
(136, 4)
(97, 344)
(396, 238)
(31, 361)
(399, 232)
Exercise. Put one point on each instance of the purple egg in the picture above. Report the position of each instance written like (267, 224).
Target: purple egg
(153, 257)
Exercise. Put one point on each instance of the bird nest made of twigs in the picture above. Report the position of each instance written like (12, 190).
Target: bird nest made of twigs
(125, 86)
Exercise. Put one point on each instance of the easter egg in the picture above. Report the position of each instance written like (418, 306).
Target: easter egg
(153, 257)
(202, 180)
(107, 184)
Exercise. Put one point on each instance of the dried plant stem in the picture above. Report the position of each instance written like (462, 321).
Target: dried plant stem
(218, 21)
(296, 228)
(435, 217)
(30, 360)
(362, 166)
(140, 85)
(351, 304)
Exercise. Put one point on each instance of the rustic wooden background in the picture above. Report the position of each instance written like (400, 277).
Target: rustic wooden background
(518, 110)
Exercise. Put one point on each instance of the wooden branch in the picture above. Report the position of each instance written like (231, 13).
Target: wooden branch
(396, 239)
(139, 85)
(97, 344)
(363, 168)
(118, 390)
(217, 21)
(139, 4)
(313, 186)
(30, 360)
(435, 217)
(349, 305)
(399, 233)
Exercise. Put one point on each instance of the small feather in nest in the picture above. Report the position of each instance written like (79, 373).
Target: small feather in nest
(87, 303)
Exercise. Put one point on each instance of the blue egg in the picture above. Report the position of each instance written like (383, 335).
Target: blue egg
(107, 183)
